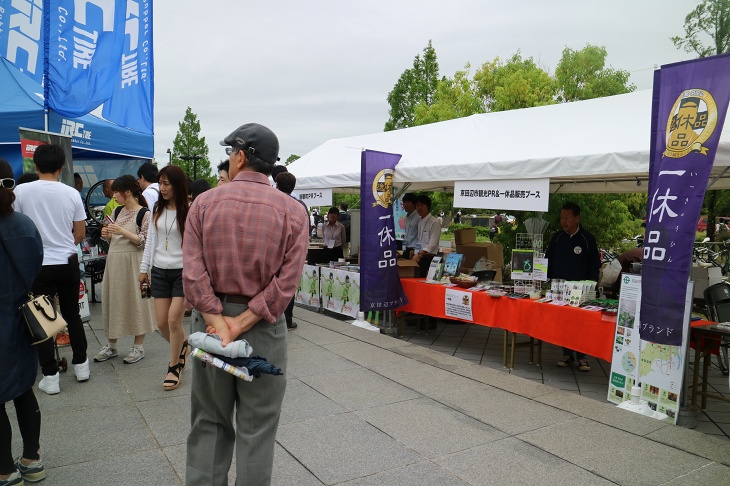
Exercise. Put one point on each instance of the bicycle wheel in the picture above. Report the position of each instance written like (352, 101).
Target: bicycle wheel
(95, 211)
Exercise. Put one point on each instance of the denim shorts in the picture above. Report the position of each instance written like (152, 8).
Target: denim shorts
(166, 283)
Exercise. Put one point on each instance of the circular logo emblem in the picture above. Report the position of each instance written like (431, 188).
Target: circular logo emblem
(383, 188)
(690, 123)
(577, 250)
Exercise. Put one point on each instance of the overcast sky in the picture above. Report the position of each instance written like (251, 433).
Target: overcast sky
(321, 69)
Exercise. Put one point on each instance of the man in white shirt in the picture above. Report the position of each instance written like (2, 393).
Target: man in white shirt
(147, 175)
(334, 235)
(429, 233)
(411, 241)
(58, 213)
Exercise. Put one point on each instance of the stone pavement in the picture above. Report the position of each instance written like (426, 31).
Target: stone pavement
(363, 408)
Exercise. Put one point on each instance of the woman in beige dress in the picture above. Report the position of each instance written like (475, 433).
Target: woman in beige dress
(123, 309)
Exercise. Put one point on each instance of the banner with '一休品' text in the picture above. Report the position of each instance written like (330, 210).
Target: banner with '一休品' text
(689, 107)
(380, 287)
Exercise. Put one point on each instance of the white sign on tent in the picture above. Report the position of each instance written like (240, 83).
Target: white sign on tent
(316, 197)
(515, 194)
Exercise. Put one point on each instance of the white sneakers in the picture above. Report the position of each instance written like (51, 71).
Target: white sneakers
(82, 371)
(51, 384)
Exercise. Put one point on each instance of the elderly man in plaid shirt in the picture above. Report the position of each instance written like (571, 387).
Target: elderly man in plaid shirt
(243, 253)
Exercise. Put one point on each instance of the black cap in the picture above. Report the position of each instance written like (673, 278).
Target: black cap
(256, 140)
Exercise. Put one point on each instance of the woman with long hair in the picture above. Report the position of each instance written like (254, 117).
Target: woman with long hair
(21, 251)
(124, 311)
(163, 253)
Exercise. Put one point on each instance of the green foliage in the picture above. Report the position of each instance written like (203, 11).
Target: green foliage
(518, 83)
(582, 75)
(416, 85)
(352, 200)
(291, 159)
(606, 216)
(454, 98)
(706, 29)
(189, 143)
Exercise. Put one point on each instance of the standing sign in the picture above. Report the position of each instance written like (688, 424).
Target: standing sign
(32, 139)
(518, 194)
(626, 341)
(381, 287)
(84, 311)
(690, 103)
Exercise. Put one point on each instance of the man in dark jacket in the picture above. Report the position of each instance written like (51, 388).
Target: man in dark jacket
(573, 255)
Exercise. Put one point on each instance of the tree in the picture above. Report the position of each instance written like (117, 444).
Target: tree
(518, 83)
(291, 159)
(711, 18)
(416, 85)
(454, 98)
(582, 75)
(187, 145)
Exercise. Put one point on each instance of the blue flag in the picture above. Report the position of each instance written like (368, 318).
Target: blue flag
(690, 102)
(22, 36)
(380, 287)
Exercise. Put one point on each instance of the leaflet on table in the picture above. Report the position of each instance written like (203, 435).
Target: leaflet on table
(435, 269)
(340, 291)
(626, 341)
(458, 304)
(308, 289)
(453, 264)
(539, 272)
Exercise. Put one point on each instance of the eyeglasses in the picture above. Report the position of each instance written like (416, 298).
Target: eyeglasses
(232, 150)
(7, 183)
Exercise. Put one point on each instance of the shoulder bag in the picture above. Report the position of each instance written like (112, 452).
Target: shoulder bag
(39, 313)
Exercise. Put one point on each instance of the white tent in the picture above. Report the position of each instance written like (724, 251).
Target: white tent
(599, 145)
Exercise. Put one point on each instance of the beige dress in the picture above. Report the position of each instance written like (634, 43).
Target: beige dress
(124, 311)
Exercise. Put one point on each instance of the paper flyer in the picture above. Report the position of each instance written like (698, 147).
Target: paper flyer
(458, 304)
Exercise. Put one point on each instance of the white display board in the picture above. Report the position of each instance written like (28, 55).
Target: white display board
(515, 194)
(308, 289)
(659, 368)
(626, 341)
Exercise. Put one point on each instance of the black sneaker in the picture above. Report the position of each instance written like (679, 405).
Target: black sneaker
(566, 361)
(293, 326)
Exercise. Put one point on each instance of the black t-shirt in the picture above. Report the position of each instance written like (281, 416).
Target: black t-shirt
(573, 257)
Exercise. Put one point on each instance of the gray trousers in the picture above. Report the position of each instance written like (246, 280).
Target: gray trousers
(257, 404)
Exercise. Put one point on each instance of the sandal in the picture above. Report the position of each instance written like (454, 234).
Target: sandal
(169, 384)
(183, 359)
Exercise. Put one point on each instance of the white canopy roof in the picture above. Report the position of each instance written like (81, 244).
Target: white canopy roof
(599, 145)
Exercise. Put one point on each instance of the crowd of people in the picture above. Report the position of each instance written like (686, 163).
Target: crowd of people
(172, 243)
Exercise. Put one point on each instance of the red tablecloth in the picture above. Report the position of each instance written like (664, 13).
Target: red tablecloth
(587, 331)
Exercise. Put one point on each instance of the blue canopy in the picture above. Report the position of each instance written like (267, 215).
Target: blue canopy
(21, 105)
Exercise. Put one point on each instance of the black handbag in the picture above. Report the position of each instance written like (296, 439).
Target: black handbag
(39, 313)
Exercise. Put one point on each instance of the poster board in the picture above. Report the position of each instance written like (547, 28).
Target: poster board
(626, 341)
(308, 293)
(340, 291)
(523, 262)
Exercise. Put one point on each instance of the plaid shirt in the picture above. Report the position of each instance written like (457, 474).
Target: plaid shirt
(244, 238)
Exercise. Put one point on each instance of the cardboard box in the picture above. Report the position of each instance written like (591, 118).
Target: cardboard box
(464, 236)
(474, 251)
(407, 268)
(704, 277)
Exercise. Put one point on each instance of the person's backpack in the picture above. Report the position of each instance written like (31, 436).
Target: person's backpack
(344, 218)
(140, 214)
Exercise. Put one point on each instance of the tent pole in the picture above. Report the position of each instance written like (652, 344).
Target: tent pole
(718, 177)
(404, 189)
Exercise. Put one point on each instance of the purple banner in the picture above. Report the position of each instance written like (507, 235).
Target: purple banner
(688, 112)
(380, 287)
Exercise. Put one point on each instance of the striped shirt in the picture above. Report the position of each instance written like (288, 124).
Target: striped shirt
(242, 238)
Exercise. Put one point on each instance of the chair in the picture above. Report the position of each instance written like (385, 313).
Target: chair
(717, 300)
